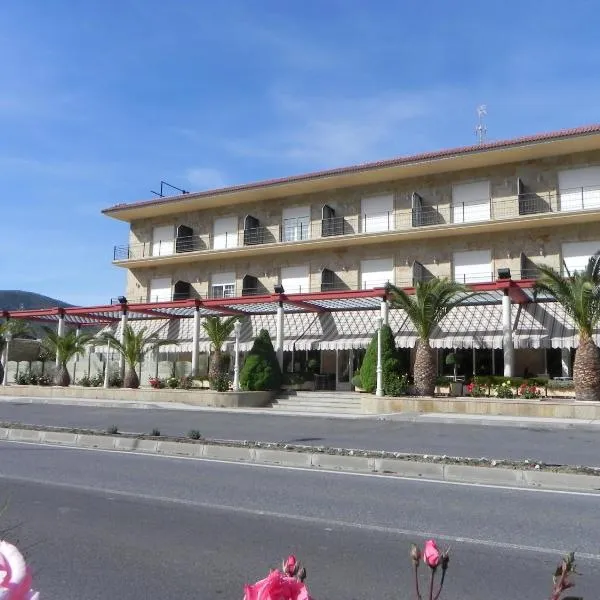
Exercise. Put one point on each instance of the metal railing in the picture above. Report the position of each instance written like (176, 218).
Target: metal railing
(438, 215)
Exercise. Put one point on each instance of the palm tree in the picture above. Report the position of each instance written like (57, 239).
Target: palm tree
(579, 295)
(65, 347)
(17, 328)
(431, 302)
(133, 348)
(218, 331)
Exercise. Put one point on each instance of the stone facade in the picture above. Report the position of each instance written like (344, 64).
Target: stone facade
(539, 179)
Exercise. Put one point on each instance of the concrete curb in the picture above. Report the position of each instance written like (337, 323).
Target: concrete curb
(311, 458)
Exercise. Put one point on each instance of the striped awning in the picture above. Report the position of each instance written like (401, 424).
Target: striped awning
(474, 326)
(546, 325)
(355, 329)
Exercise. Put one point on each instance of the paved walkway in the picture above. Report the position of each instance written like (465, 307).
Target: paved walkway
(548, 440)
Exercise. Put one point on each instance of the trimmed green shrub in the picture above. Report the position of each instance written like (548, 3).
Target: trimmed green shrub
(394, 382)
(368, 369)
(261, 370)
(220, 382)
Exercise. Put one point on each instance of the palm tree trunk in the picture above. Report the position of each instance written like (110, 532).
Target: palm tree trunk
(216, 362)
(131, 379)
(61, 376)
(425, 371)
(586, 370)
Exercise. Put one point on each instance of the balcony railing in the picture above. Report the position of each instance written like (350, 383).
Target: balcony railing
(438, 215)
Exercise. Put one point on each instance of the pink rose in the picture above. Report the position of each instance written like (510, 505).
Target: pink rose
(15, 577)
(277, 586)
(431, 554)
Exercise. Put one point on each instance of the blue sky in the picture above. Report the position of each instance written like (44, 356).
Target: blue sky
(99, 101)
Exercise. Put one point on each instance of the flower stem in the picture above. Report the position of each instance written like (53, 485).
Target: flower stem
(416, 569)
(431, 584)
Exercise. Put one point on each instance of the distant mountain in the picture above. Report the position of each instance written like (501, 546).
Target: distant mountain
(19, 300)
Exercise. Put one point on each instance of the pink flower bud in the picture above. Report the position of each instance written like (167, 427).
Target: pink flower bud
(431, 554)
(290, 565)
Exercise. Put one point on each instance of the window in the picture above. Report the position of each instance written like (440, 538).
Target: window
(182, 290)
(296, 224)
(163, 240)
(575, 255)
(295, 280)
(376, 273)
(160, 289)
(223, 285)
(377, 213)
(579, 189)
(250, 285)
(253, 232)
(474, 266)
(225, 233)
(185, 239)
(471, 202)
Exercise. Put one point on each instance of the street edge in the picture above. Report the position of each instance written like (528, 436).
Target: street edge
(309, 458)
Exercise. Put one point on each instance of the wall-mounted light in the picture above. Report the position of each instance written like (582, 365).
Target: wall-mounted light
(278, 288)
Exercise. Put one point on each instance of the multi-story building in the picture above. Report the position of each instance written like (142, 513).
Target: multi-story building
(467, 213)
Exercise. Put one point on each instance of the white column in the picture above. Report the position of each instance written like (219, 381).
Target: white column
(122, 340)
(507, 338)
(236, 361)
(279, 335)
(379, 390)
(195, 342)
(60, 330)
(565, 360)
(384, 312)
(7, 340)
(106, 362)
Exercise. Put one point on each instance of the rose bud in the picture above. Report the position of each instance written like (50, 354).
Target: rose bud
(415, 554)
(431, 554)
(290, 566)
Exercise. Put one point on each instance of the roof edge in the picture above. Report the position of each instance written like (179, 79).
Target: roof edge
(368, 166)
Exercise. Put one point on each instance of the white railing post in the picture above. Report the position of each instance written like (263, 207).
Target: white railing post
(507, 337)
(379, 389)
(236, 363)
(195, 339)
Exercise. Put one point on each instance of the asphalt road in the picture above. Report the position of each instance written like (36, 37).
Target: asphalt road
(102, 524)
(573, 446)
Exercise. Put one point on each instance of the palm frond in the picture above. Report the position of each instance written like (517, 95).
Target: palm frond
(577, 293)
(218, 330)
(66, 346)
(134, 345)
(431, 302)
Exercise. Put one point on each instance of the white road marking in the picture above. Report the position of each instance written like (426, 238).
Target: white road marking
(319, 470)
(329, 523)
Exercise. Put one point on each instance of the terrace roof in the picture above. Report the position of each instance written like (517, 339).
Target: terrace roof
(521, 292)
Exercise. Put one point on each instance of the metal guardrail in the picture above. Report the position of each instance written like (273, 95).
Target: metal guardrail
(434, 215)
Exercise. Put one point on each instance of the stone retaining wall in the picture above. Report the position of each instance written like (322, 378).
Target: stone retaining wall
(196, 397)
(558, 409)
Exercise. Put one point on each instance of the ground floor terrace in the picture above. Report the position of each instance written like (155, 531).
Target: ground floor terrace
(320, 339)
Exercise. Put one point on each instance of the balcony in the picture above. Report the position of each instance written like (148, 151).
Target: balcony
(444, 219)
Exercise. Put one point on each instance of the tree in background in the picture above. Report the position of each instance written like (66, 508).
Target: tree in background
(65, 347)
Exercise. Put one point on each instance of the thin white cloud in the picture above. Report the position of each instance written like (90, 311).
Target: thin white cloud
(206, 178)
(328, 131)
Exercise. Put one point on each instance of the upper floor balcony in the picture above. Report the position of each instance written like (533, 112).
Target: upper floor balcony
(443, 219)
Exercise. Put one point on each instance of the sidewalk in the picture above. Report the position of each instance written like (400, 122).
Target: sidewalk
(448, 418)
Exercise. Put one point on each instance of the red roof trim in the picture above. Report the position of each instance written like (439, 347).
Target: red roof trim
(403, 160)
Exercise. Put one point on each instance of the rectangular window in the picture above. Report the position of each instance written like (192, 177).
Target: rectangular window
(222, 285)
(473, 267)
(163, 240)
(471, 202)
(576, 255)
(296, 223)
(377, 213)
(376, 273)
(225, 233)
(579, 189)
(160, 289)
(295, 280)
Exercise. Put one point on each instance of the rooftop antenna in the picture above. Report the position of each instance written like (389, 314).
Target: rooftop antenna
(481, 129)
(162, 184)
